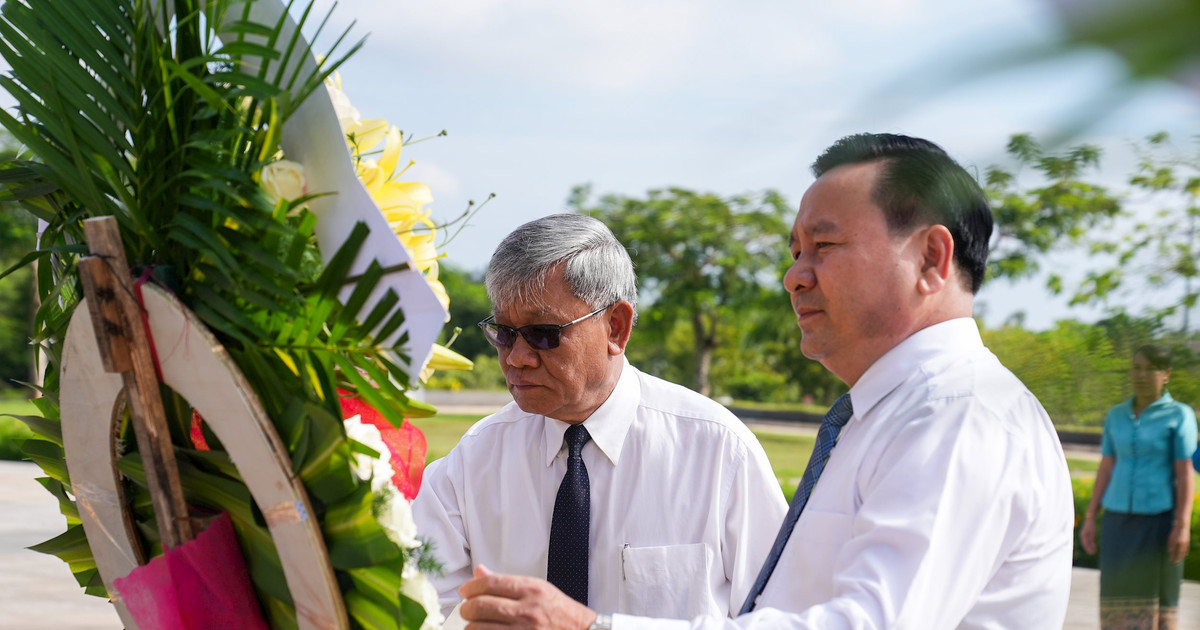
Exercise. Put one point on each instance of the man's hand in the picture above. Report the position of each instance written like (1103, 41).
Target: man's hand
(493, 601)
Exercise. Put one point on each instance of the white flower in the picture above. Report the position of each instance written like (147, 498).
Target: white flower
(347, 115)
(397, 522)
(284, 179)
(415, 585)
(378, 470)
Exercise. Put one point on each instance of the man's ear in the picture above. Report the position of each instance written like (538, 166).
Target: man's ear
(620, 326)
(937, 259)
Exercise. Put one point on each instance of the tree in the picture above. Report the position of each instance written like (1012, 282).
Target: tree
(18, 230)
(17, 233)
(1160, 252)
(1155, 249)
(469, 306)
(1029, 222)
(699, 257)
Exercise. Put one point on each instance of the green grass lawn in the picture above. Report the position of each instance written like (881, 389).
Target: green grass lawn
(788, 453)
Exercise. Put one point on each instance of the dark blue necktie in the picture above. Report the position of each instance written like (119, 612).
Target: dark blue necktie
(567, 565)
(827, 435)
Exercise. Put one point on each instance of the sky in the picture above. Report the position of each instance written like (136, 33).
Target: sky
(539, 96)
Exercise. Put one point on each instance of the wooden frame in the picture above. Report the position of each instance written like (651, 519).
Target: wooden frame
(196, 366)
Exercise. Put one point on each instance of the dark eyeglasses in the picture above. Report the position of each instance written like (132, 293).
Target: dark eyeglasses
(538, 336)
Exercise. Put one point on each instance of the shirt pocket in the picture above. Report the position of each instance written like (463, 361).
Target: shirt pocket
(667, 581)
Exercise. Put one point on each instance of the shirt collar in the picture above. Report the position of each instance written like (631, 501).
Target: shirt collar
(897, 364)
(1162, 400)
(607, 425)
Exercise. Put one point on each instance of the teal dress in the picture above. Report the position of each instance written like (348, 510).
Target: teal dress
(1138, 582)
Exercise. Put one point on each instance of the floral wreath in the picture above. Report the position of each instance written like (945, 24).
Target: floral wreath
(162, 114)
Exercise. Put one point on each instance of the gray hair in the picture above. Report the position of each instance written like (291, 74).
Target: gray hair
(595, 265)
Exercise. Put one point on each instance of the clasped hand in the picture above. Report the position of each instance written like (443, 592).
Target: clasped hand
(492, 601)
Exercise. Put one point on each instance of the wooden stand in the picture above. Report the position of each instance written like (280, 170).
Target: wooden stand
(106, 352)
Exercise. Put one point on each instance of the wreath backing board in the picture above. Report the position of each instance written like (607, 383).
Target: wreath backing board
(197, 367)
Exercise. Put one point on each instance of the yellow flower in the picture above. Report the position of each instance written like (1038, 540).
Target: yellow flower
(284, 179)
(444, 358)
(392, 144)
(439, 289)
(366, 134)
(402, 203)
(398, 200)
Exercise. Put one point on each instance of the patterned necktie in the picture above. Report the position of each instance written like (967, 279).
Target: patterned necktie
(567, 565)
(827, 435)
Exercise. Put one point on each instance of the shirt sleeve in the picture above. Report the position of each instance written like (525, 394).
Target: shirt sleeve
(438, 516)
(1185, 435)
(946, 502)
(755, 510)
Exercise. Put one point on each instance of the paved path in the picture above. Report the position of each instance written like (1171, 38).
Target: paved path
(37, 591)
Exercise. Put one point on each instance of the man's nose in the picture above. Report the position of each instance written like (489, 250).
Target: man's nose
(521, 354)
(799, 276)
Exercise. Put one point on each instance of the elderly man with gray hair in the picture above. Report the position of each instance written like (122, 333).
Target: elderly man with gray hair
(626, 492)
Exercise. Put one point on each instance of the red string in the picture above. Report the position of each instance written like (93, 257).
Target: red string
(137, 291)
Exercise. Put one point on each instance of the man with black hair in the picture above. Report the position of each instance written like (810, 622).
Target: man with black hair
(938, 495)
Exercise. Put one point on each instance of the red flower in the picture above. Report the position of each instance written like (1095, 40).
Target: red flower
(406, 443)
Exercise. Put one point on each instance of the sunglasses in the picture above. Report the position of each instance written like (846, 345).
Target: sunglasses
(538, 336)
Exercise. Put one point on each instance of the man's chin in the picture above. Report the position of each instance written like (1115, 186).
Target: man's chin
(530, 399)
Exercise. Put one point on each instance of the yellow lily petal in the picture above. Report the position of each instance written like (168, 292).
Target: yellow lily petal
(446, 359)
(368, 134)
(439, 290)
(392, 143)
(402, 196)
(371, 176)
(422, 250)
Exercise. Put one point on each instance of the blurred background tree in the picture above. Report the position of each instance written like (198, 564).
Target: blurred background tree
(701, 259)
(17, 235)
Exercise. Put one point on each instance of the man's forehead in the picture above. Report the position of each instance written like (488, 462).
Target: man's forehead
(813, 225)
(529, 304)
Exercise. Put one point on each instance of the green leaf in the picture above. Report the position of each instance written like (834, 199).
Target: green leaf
(354, 536)
(50, 430)
(65, 505)
(49, 456)
(71, 545)
(370, 615)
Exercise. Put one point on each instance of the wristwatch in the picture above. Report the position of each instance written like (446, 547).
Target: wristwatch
(602, 622)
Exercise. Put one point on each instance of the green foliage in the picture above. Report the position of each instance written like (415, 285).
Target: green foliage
(1031, 222)
(13, 434)
(126, 112)
(469, 307)
(17, 234)
(1157, 255)
(699, 258)
(1072, 368)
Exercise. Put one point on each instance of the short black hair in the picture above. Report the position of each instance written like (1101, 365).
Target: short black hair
(918, 185)
(1158, 357)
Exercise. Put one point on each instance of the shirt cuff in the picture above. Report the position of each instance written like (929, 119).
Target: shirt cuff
(629, 622)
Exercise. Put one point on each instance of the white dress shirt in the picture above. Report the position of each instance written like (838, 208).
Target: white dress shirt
(684, 504)
(946, 504)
